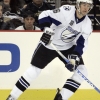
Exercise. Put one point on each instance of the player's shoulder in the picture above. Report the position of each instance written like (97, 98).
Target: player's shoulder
(87, 26)
(68, 7)
(88, 20)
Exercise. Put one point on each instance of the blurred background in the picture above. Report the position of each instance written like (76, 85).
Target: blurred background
(13, 11)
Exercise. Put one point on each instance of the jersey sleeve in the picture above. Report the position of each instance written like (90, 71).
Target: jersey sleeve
(49, 17)
(56, 16)
(82, 41)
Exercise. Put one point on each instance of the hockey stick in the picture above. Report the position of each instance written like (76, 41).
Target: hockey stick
(88, 81)
(97, 20)
(92, 17)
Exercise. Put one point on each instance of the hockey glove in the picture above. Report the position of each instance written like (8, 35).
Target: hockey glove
(47, 35)
(74, 61)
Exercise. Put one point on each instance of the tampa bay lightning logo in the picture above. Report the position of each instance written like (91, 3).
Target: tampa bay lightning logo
(69, 35)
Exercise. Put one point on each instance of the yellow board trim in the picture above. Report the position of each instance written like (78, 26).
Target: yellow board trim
(48, 94)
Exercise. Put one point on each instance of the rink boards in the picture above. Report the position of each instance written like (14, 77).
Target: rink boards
(19, 47)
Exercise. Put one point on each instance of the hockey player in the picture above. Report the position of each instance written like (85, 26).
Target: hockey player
(68, 28)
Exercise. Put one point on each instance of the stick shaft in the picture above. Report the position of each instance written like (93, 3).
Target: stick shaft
(79, 72)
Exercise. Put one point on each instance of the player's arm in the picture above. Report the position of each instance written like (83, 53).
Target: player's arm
(81, 46)
(74, 57)
(49, 17)
(46, 19)
(82, 41)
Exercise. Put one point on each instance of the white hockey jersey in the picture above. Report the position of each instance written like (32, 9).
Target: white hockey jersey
(69, 30)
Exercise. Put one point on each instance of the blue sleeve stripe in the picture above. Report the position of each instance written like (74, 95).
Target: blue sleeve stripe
(49, 20)
(80, 45)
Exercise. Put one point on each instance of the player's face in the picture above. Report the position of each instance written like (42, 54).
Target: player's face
(84, 8)
(0, 11)
(28, 21)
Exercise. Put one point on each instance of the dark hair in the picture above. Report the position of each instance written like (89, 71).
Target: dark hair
(14, 4)
(28, 13)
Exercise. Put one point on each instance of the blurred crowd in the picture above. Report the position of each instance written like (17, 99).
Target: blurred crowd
(21, 14)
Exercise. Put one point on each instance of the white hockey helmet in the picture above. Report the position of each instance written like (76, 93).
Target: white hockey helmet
(87, 1)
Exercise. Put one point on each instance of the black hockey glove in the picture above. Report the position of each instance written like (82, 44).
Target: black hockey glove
(74, 62)
(47, 35)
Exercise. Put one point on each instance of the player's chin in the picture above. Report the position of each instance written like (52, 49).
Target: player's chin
(84, 13)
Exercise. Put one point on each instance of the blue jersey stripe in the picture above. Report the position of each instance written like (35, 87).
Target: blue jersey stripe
(49, 20)
(80, 45)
